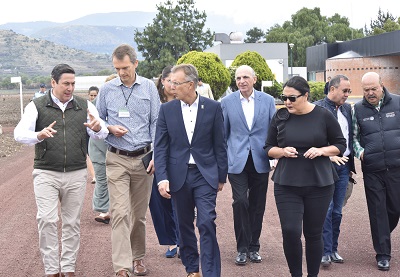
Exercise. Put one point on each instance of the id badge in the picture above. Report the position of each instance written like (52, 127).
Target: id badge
(123, 112)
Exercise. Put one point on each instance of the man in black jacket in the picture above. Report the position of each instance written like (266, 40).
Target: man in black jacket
(376, 132)
(339, 90)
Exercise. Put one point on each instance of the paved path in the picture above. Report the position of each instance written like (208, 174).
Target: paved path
(19, 242)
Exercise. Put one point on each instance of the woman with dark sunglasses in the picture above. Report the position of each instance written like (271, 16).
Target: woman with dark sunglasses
(303, 136)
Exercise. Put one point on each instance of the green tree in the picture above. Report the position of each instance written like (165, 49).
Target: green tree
(210, 69)
(385, 22)
(255, 61)
(253, 35)
(308, 28)
(176, 30)
(6, 83)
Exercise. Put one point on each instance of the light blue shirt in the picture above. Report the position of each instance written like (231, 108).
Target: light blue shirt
(39, 94)
(136, 108)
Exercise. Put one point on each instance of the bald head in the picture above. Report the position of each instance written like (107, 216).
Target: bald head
(370, 77)
(372, 86)
(245, 80)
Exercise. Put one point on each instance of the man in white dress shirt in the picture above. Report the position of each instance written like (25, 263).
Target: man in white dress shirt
(247, 114)
(191, 166)
(58, 124)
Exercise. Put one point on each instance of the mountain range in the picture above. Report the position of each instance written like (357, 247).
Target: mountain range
(93, 36)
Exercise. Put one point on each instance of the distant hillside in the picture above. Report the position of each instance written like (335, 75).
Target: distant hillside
(122, 19)
(31, 56)
(102, 32)
(95, 39)
(35, 47)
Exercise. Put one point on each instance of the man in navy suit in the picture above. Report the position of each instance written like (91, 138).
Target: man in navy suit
(191, 164)
(247, 114)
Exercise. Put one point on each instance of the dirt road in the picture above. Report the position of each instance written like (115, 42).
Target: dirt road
(19, 254)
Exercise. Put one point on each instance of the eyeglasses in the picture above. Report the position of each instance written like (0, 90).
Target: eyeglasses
(291, 98)
(176, 83)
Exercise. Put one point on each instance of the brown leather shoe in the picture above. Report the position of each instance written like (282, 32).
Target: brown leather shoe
(53, 275)
(122, 273)
(139, 269)
(68, 274)
(194, 274)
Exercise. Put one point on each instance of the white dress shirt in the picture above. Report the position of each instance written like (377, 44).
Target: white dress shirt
(344, 125)
(248, 108)
(25, 130)
(189, 114)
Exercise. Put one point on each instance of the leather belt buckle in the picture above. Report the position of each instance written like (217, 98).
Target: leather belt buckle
(135, 153)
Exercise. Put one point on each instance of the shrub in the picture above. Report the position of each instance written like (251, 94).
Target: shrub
(255, 61)
(210, 69)
(316, 91)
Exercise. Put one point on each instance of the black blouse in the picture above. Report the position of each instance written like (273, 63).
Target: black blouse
(318, 128)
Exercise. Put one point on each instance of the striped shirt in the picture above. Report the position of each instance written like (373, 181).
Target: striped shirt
(136, 108)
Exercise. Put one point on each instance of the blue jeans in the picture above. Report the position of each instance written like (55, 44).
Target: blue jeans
(333, 218)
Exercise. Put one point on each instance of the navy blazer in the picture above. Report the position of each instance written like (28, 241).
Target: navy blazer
(240, 138)
(208, 147)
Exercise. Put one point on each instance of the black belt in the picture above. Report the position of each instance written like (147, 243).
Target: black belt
(192, 165)
(130, 153)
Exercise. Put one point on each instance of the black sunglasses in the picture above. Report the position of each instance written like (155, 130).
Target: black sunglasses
(291, 98)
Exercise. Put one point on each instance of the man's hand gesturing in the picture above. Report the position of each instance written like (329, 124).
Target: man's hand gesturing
(47, 132)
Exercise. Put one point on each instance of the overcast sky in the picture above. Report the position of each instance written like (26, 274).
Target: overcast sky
(263, 14)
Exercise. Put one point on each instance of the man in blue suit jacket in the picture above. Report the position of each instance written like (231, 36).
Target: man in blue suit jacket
(247, 114)
(191, 164)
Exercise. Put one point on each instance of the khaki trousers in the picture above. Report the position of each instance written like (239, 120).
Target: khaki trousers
(68, 189)
(129, 188)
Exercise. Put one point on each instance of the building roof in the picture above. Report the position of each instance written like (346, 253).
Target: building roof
(346, 55)
(386, 44)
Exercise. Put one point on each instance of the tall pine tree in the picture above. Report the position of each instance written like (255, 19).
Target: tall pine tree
(175, 31)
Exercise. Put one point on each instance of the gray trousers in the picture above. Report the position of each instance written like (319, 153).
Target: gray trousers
(100, 193)
(97, 154)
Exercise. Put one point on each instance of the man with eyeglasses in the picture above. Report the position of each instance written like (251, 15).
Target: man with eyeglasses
(191, 160)
(377, 145)
(247, 114)
(338, 92)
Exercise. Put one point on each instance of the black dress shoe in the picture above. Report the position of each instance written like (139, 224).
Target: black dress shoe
(241, 258)
(326, 261)
(255, 257)
(384, 265)
(336, 258)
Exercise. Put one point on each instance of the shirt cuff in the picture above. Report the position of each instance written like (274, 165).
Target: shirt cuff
(162, 182)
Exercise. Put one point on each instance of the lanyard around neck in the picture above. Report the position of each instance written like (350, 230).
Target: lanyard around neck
(129, 96)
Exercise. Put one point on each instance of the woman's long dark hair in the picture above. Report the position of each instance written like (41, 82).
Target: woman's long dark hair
(164, 74)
